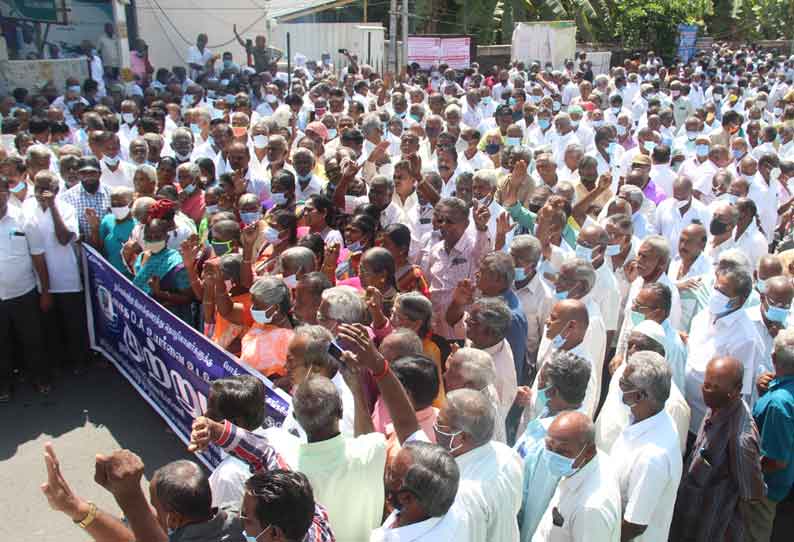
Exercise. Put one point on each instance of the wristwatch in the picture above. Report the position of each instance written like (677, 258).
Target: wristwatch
(89, 518)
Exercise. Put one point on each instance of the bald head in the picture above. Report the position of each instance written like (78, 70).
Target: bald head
(572, 426)
(779, 291)
(594, 235)
(727, 370)
(769, 265)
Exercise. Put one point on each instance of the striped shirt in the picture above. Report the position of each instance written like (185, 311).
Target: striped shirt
(260, 456)
(723, 468)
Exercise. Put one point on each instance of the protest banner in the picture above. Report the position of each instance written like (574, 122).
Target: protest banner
(168, 362)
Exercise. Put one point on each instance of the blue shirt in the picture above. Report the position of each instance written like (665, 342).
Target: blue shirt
(774, 416)
(517, 332)
(114, 234)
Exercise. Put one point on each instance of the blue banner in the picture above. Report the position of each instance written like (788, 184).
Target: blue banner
(169, 363)
(687, 38)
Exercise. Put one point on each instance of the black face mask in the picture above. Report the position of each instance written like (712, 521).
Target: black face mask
(717, 228)
(91, 186)
(534, 207)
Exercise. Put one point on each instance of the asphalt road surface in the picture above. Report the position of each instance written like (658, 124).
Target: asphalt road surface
(97, 412)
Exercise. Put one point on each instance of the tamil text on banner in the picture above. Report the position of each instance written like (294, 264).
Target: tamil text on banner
(433, 51)
(169, 363)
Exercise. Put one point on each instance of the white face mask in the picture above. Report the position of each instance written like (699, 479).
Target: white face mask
(153, 246)
(120, 212)
(291, 281)
(719, 303)
(260, 141)
(681, 203)
(111, 161)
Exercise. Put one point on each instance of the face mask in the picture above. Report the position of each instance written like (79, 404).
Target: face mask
(278, 198)
(250, 217)
(521, 274)
(486, 100)
(761, 105)
(559, 465)
(691, 136)
(611, 148)
(260, 141)
(355, 247)
(636, 317)
(717, 97)
(513, 141)
(332, 132)
(129, 118)
(447, 439)
(120, 213)
(271, 234)
(719, 303)
(535, 99)
(777, 314)
(221, 248)
(239, 131)
(616, 111)
(291, 281)
(211, 141)
(195, 129)
(492, 148)
(153, 246)
(543, 397)
(649, 145)
(544, 123)
(211, 209)
(182, 157)
(305, 178)
(760, 285)
(556, 106)
(558, 341)
(778, 111)
(584, 253)
(737, 155)
(613, 250)
(621, 130)
(511, 102)
(774, 175)
(261, 317)
(702, 150)
(111, 161)
(717, 228)
(18, 188)
(600, 123)
(575, 124)
(561, 295)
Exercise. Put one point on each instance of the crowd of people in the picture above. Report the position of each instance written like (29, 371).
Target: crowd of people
(508, 303)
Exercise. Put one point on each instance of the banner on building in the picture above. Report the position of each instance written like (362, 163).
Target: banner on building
(169, 363)
(432, 51)
(545, 41)
(687, 38)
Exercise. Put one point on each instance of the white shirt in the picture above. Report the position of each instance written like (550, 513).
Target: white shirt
(605, 292)
(451, 527)
(62, 264)
(314, 186)
(753, 243)
(194, 56)
(713, 252)
(588, 503)
(670, 222)
(18, 241)
(490, 491)
(613, 417)
(663, 177)
(648, 462)
(123, 176)
(346, 426)
(506, 382)
(732, 335)
(227, 481)
(537, 299)
(765, 197)
(477, 162)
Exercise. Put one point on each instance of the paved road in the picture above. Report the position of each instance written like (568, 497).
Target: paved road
(86, 415)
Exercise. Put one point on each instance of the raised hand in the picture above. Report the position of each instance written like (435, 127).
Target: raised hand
(463, 294)
(120, 472)
(59, 495)
(203, 433)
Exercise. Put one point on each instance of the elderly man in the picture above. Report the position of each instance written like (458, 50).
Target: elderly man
(676, 213)
(748, 238)
(772, 414)
(182, 145)
(452, 260)
(490, 472)
(469, 368)
(586, 504)
(724, 218)
(422, 484)
(563, 383)
(770, 315)
(724, 471)
(90, 199)
(487, 323)
(114, 170)
(591, 246)
(647, 454)
(535, 295)
(723, 329)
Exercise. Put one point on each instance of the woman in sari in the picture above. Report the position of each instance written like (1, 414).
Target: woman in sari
(264, 346)
(230, 309)
(396, 238)
(160, 272)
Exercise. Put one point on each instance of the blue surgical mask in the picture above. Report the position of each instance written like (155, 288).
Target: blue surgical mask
(556, 106)
(760, 285)
(702, 150)
(355, 247)
(559, 465)
(278, 198)
(558, 341)
(544, 123)
(649, 145)
(221, 248)
(613, 250)
(332, 132)
(195, 129)
(249, 218)
(636, 317)
(611, 148)
(304, 178)
(189, 189)
(561, 295)
(521, 274)
(543, 398)
(492, 148)
(511, 102)
(513, 141)
(249, 538)
(777, 314)
(719, 303)
(271, 234)
(691, 136)
(211, 209)
(621, 129)
(584, 253)
(19, 187)
(616, 111)
(737, 155)
(111, 161)
(598, 124)
(261, 317)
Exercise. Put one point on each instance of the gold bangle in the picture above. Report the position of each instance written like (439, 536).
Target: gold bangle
(90, 517)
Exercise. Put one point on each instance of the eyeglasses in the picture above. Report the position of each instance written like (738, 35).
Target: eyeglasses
(441, 220)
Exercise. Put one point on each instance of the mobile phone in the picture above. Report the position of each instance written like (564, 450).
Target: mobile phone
(336, 351)
(343, 51)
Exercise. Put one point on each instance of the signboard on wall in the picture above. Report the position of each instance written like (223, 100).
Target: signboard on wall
(429, 51)
(43, 11)
(687, 38)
